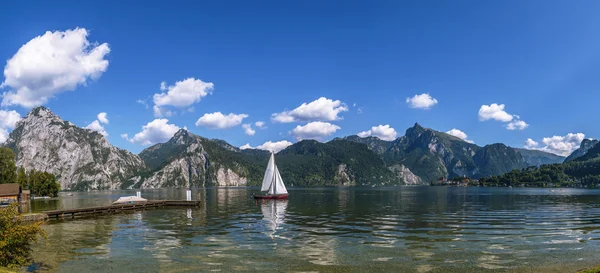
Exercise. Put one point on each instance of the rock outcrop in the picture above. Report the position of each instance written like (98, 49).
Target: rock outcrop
(80, 158)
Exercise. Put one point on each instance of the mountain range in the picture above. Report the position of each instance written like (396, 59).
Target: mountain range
(83, 159)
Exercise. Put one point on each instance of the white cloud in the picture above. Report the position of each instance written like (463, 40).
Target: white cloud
(384, 132)
(51, 64)
(423, 101)
(531, 144)
(560, 145)
(248, 129)
(246, 146)
(161, 112)
(269, 146)
(142, 102)
(156, 131)
(217, 120)
(495, 112)
(260, 124)
(181, 95)
(8, 121)
(102, 118)
(314, 130)
(321, 109)
(459, 134)
(96, 126)
(517, 125)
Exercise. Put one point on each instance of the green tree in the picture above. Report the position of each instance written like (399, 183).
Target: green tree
(8, 168)
(16, 237)
(43, 183)
(22, 178)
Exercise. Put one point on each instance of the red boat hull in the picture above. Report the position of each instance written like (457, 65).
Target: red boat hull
(269, 196)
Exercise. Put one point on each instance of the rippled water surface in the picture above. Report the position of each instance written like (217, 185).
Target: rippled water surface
(400, 229)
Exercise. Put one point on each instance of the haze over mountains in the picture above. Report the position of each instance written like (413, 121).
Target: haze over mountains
(83, 159)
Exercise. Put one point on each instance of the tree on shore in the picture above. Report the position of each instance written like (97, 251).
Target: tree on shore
(8, 168)
(43, 183)
(22, 179)
(16, 237)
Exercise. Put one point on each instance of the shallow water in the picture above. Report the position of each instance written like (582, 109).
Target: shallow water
(398, 229)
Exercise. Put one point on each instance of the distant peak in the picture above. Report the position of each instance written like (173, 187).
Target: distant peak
(41, 111)
(417, 125)
(181, 133)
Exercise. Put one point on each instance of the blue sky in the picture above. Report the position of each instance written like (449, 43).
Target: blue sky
(540, 59)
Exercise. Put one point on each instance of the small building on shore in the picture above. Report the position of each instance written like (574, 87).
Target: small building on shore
(10, 193)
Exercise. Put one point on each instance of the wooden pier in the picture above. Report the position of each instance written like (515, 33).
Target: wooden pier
(120, 207)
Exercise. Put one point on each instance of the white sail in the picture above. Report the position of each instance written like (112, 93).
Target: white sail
(279, 186)
(268, 179)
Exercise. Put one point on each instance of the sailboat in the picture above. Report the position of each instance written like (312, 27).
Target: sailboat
(272, 183)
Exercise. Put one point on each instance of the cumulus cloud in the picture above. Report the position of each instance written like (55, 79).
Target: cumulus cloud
(496, 112)
(50, 64)
(459, 134)
(384, 132)
(530, 144)
(246, 146)
(422, 101)
(156, 131)
(269, 146)
(314, 130)
(96, 126)
(102, 118)
(180, 95)
(248, 129)
(560, 145)
(8, 121)
(260, 124)
(217, 120)
(323, 109)
(517, 125)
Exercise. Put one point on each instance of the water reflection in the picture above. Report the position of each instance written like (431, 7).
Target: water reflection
(273, 213)
(405, 229)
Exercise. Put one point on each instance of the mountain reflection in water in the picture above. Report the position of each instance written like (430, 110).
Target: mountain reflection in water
(401, 229)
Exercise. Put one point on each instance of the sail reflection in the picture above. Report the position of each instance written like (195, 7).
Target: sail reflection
(273, 214)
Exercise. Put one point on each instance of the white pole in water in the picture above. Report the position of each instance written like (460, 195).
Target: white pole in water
(188, 195)
(138, 194)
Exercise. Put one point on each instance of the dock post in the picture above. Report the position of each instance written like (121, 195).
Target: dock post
(138, 194)
(188, 195)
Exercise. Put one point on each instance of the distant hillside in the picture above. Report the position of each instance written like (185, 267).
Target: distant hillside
(584, 171)
(84, 160)
(585, 145)
(338, 162)
(592, 153)
(537, 158)
(431, 154)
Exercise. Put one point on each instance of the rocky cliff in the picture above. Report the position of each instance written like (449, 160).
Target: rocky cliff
(188, 160)
(585, 145)
(81, 159)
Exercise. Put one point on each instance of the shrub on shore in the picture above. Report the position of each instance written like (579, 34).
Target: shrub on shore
(16, 237)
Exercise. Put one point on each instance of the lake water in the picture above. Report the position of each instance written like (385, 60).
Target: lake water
(397, 229)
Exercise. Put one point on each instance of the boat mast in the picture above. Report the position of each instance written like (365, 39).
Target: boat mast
(274, 181)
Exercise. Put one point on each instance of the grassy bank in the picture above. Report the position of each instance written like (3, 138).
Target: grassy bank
(590, 270)
(7, 270)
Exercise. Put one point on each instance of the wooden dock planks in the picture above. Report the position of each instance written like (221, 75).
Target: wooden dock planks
(121, 207)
